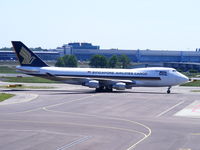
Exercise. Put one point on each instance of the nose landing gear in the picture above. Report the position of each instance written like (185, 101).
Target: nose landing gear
(168, 90)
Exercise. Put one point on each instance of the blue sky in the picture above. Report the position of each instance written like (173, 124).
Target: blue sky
(123, 24)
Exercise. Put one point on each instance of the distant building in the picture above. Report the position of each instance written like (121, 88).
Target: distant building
(184, 60)
(83, 46)
(70, 47)
(143, 55)
(45, 55)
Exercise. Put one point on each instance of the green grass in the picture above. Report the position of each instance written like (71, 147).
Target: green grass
(4, 96)
(190, 75)
(6, 69)
(27, 80)
(193, 83)
(195, 90)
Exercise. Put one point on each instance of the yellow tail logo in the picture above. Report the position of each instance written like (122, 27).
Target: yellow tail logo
(27, 58)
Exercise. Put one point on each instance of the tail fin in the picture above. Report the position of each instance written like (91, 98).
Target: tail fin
(26, 57)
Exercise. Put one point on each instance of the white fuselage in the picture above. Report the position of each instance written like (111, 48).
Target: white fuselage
(98, 78)
(147, 77)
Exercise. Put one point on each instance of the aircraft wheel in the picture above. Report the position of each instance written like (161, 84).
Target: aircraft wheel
(100, 89)
(168, 91)
(109, 89)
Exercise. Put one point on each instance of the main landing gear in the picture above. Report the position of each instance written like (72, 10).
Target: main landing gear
(104, 89)
(168, 90)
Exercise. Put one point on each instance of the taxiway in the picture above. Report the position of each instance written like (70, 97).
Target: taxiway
(77, 118)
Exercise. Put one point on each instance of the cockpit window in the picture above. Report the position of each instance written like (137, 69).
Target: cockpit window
(162, 73)
(173, 70)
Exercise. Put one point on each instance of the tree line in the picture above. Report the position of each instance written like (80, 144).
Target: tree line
(96, 61)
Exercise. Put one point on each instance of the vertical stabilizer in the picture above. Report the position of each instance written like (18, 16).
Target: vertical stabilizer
(26, 57)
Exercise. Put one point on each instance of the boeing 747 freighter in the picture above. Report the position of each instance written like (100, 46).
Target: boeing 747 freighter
(99, 78)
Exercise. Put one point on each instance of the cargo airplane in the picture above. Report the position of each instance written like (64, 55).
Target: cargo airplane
(99, 78)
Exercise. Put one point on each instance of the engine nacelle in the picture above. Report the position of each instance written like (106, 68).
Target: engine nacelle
(92, 84)
(119, 86)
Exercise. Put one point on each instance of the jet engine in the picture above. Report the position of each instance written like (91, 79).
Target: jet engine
(119, 86)
(92, 84)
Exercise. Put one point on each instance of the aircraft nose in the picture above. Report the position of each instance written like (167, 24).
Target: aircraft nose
(184, 79)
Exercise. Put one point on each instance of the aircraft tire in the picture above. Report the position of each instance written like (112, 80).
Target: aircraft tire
(100, 89)
(109, 89)
(168, 90)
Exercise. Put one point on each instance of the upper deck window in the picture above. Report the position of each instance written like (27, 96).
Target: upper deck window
(162, 73)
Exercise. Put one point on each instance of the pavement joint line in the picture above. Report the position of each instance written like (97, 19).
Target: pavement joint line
(112, 118)
(169, 109)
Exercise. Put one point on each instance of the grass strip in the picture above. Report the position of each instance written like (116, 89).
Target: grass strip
(4, 96)
(195, 83)
(27, 80)
(5, 69)
(27, 87)
(195, 90)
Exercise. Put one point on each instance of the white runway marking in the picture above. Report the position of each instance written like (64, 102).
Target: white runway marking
(113, 118)
(81, 140)
(164, 112)
(78, 141)
(192, 110)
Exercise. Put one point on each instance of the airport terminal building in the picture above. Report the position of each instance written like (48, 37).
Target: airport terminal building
(45, 55)
(183, 60)
(84, 51)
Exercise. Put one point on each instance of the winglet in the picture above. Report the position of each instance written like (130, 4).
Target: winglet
(26, 57)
